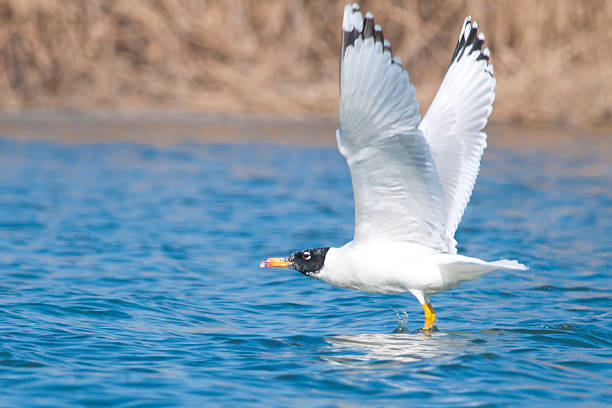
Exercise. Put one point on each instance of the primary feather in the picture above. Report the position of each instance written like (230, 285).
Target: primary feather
(397, 192)
(452, 125)
(412, 179)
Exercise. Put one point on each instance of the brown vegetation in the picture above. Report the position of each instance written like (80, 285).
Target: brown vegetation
(552, 58)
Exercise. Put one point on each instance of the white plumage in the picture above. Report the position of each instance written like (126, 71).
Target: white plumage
(452, 127)
(412, 179)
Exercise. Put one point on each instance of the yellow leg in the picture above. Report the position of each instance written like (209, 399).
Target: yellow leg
(430, 316)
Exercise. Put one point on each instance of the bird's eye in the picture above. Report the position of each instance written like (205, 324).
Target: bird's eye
(306, 255)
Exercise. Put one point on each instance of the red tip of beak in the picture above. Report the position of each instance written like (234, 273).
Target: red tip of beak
(272, 262)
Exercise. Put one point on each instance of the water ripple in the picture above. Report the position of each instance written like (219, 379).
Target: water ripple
(129, 278)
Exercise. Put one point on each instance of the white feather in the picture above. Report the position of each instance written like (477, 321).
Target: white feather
(452, 127)
(346, 19)
(411, 181)
(397, 192)
(357, 20)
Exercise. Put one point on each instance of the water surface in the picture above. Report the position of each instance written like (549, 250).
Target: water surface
(129, 277)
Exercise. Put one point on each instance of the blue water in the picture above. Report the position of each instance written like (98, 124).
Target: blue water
(129, 277)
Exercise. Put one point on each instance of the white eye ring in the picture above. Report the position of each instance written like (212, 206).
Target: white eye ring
(306, 255)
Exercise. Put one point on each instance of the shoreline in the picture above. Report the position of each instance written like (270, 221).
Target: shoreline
(167, 128)
(163, 128)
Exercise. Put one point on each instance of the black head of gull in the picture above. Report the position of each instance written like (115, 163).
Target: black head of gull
(308, 262)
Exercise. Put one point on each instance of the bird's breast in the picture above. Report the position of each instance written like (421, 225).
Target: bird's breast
(381, 267)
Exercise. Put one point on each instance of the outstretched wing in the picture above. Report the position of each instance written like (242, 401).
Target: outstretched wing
(395, 182)
(452, 125)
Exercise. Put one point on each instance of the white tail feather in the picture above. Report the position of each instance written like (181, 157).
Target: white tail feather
(458, 268)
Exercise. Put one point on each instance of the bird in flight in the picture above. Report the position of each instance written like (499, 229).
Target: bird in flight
(412, 178)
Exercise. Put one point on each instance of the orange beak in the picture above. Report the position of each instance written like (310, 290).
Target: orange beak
(272, 262)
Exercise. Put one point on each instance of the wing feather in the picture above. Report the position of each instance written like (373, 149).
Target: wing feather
(453, 124)
(397, 192)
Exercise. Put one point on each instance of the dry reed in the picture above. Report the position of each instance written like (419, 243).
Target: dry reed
(552, 58)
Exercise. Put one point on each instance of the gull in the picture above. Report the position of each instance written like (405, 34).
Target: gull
(412, 178)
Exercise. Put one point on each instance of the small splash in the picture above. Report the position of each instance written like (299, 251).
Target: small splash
(402, 321)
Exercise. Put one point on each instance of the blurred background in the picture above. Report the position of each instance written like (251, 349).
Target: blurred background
(129, 271)
(552, 58)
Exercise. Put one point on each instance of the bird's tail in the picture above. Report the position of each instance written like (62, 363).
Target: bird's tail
(459, 268)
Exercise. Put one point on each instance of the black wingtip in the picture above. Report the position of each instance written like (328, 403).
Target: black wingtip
(472, 35)
(477, 44)
(474, 40)
(368, 26)
(386, 46)
(482, 57)
(378, 34)
(370, 30)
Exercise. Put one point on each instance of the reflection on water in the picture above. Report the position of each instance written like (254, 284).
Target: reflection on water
(403, 345)
(352, 350)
